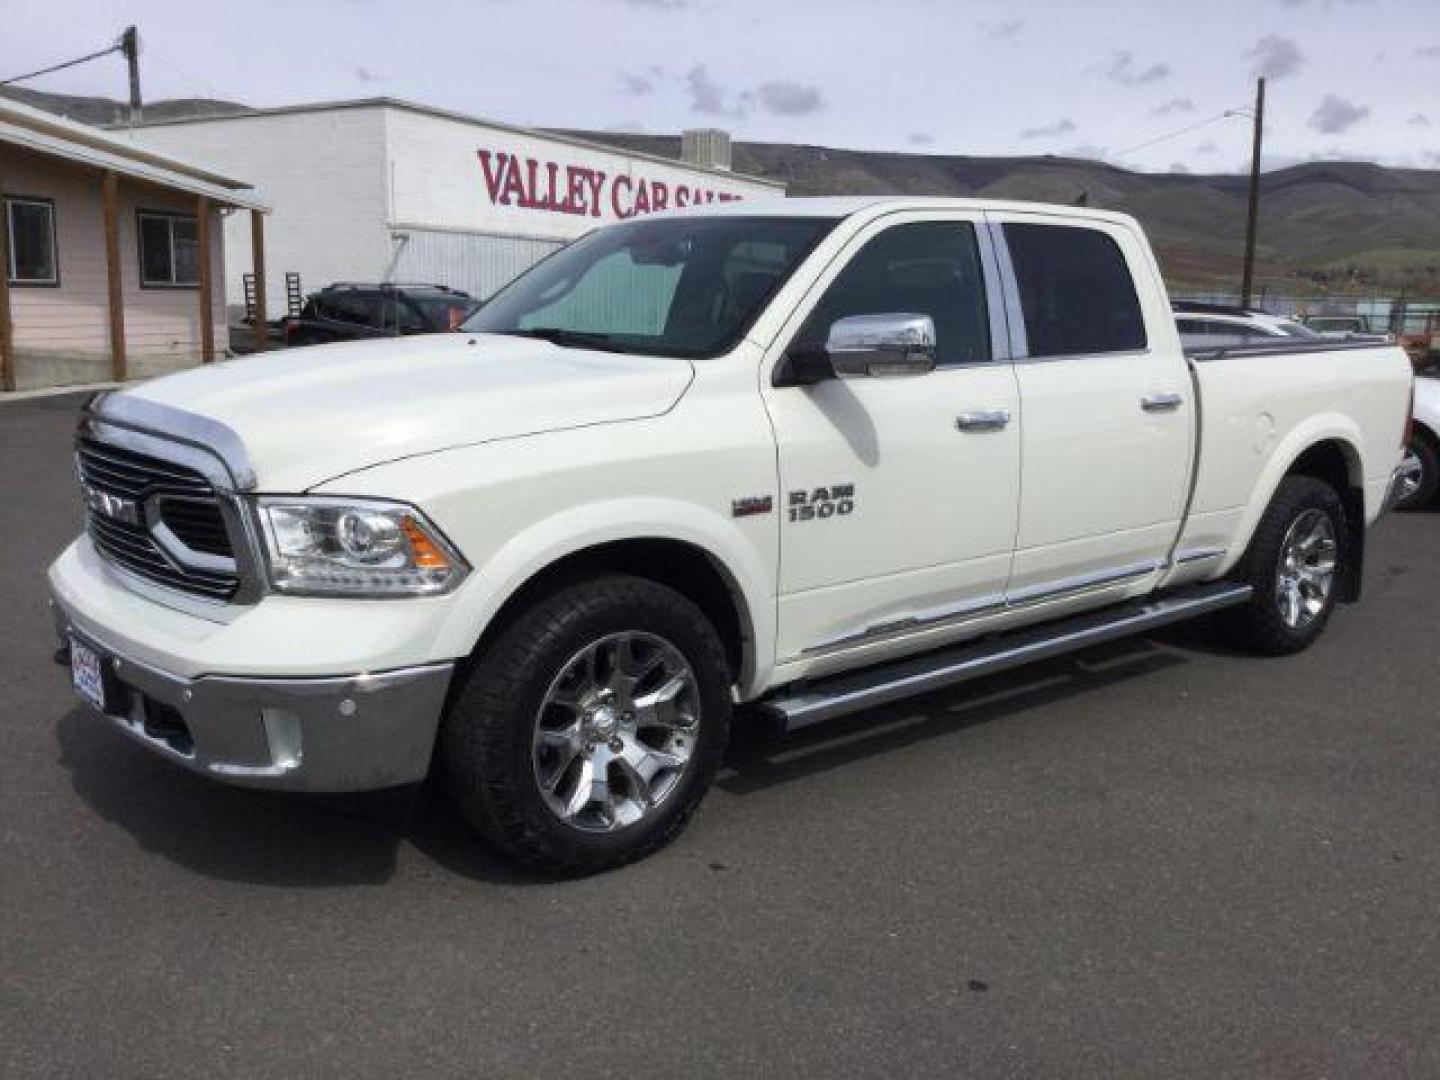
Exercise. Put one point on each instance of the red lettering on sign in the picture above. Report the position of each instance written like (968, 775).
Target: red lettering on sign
(620, 212)
(579, 190)
(492, 174)
(596, 179)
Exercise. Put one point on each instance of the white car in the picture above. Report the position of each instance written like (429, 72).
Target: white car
(1420, 480)
(810, 456)
(1213, 326)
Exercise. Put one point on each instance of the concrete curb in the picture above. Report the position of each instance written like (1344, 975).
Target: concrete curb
(54, 391)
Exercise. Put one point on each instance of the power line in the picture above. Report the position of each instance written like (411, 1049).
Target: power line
(61, 67)
(1176, 134)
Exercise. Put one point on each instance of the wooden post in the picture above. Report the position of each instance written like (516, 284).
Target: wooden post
(7, 333)
(1252, 219)
(257, 251)
(110, 204)
(207, 282)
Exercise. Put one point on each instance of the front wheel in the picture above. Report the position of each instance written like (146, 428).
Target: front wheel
(586, 735)
(1292, 564)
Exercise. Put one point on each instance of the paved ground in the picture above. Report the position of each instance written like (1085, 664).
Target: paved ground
(1158, 860)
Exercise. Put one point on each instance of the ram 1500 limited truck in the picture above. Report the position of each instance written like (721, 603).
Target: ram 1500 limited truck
(807, 457)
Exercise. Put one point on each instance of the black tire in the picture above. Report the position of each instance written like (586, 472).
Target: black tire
(486, 735)
(1259, 625)
(1424, 449)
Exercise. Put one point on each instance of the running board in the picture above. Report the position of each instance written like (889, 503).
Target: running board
(809, 703)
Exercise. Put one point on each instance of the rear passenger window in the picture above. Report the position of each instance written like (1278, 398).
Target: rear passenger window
(927, 268)
(1076, 290)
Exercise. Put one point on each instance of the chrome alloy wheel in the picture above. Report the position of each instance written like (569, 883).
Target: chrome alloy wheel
(616, 731)
(1411, 475)
(1306, 574)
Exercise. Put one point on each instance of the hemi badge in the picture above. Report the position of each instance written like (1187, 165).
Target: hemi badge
(752, 505)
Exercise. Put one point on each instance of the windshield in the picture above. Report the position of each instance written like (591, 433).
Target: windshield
(672, 287)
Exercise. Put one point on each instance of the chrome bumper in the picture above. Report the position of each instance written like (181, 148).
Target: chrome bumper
(347, 733)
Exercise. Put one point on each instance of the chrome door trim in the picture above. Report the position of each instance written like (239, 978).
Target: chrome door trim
(1081, 582)
(1190, 555)
(903, 625)
(925, 619)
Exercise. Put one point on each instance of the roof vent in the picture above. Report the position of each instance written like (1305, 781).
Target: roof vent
(707, 147)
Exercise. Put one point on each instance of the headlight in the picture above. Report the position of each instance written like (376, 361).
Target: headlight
(354, 547)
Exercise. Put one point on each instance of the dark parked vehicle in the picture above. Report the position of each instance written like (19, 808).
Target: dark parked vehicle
(349, 312)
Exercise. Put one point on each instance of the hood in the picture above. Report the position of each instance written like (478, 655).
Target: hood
(309, 415)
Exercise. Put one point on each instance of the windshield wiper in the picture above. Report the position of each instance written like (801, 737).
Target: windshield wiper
(567, 339)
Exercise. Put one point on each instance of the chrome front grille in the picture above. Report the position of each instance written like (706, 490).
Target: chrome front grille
(159, 519)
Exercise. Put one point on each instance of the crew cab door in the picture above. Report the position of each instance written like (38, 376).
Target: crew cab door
(898, 496)
(1107, 400)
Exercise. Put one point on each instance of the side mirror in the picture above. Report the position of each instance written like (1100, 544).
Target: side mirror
(866, 346)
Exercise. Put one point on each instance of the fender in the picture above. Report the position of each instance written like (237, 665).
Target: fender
(547, 541)
(1324, 427)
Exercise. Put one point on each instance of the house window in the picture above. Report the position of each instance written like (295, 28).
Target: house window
(30, 225)
(169, 250)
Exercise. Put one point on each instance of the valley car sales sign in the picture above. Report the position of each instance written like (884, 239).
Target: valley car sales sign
(467, 176)
(557, 187)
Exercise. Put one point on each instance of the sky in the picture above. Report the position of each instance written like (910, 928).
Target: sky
(1143, 84)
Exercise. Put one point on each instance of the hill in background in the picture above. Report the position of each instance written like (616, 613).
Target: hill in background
(1325, 227)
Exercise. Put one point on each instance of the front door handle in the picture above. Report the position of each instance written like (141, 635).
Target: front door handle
(983, 420)
(1161, 402)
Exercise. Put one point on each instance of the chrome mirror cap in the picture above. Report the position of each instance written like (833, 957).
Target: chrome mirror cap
(882, 346)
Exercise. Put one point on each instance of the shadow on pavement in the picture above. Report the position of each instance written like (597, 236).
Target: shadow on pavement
(322, 841)
(761, 758)
(269, 838)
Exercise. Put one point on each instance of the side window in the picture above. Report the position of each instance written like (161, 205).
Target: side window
(350, 307)
(1192, 327)
(169, 249)
(31, 229)
(926, 267)
(1076, 291)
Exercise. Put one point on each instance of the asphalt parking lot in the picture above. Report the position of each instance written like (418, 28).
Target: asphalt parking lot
(1155, 860)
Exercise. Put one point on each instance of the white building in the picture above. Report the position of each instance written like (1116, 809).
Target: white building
(385, 190)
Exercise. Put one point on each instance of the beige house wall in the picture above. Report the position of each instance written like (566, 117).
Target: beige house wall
(61, 332)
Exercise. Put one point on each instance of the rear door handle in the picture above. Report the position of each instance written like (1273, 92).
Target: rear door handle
(1161, 402)
(983, 420)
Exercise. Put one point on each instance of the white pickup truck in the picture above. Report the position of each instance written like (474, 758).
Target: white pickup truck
(812, 456)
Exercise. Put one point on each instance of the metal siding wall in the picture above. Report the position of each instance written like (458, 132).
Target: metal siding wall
(477, 263)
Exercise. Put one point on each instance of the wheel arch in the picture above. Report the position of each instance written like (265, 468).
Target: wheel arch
(1330, 453)
(713, 567)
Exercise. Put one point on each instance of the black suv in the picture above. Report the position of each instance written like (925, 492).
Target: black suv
(348, 312)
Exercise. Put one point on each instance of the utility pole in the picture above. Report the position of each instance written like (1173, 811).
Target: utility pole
(130, 46)
(1248, 280)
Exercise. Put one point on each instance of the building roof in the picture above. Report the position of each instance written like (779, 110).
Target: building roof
(459, 117)
(46, 133)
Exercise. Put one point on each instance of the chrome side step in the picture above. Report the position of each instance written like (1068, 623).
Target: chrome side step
(824, 699)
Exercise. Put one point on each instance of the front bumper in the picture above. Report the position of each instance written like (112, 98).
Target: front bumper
(343, 733)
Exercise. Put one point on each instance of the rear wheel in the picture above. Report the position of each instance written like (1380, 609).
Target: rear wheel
(1293, 565)
(590, 730)
(1419, 474)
